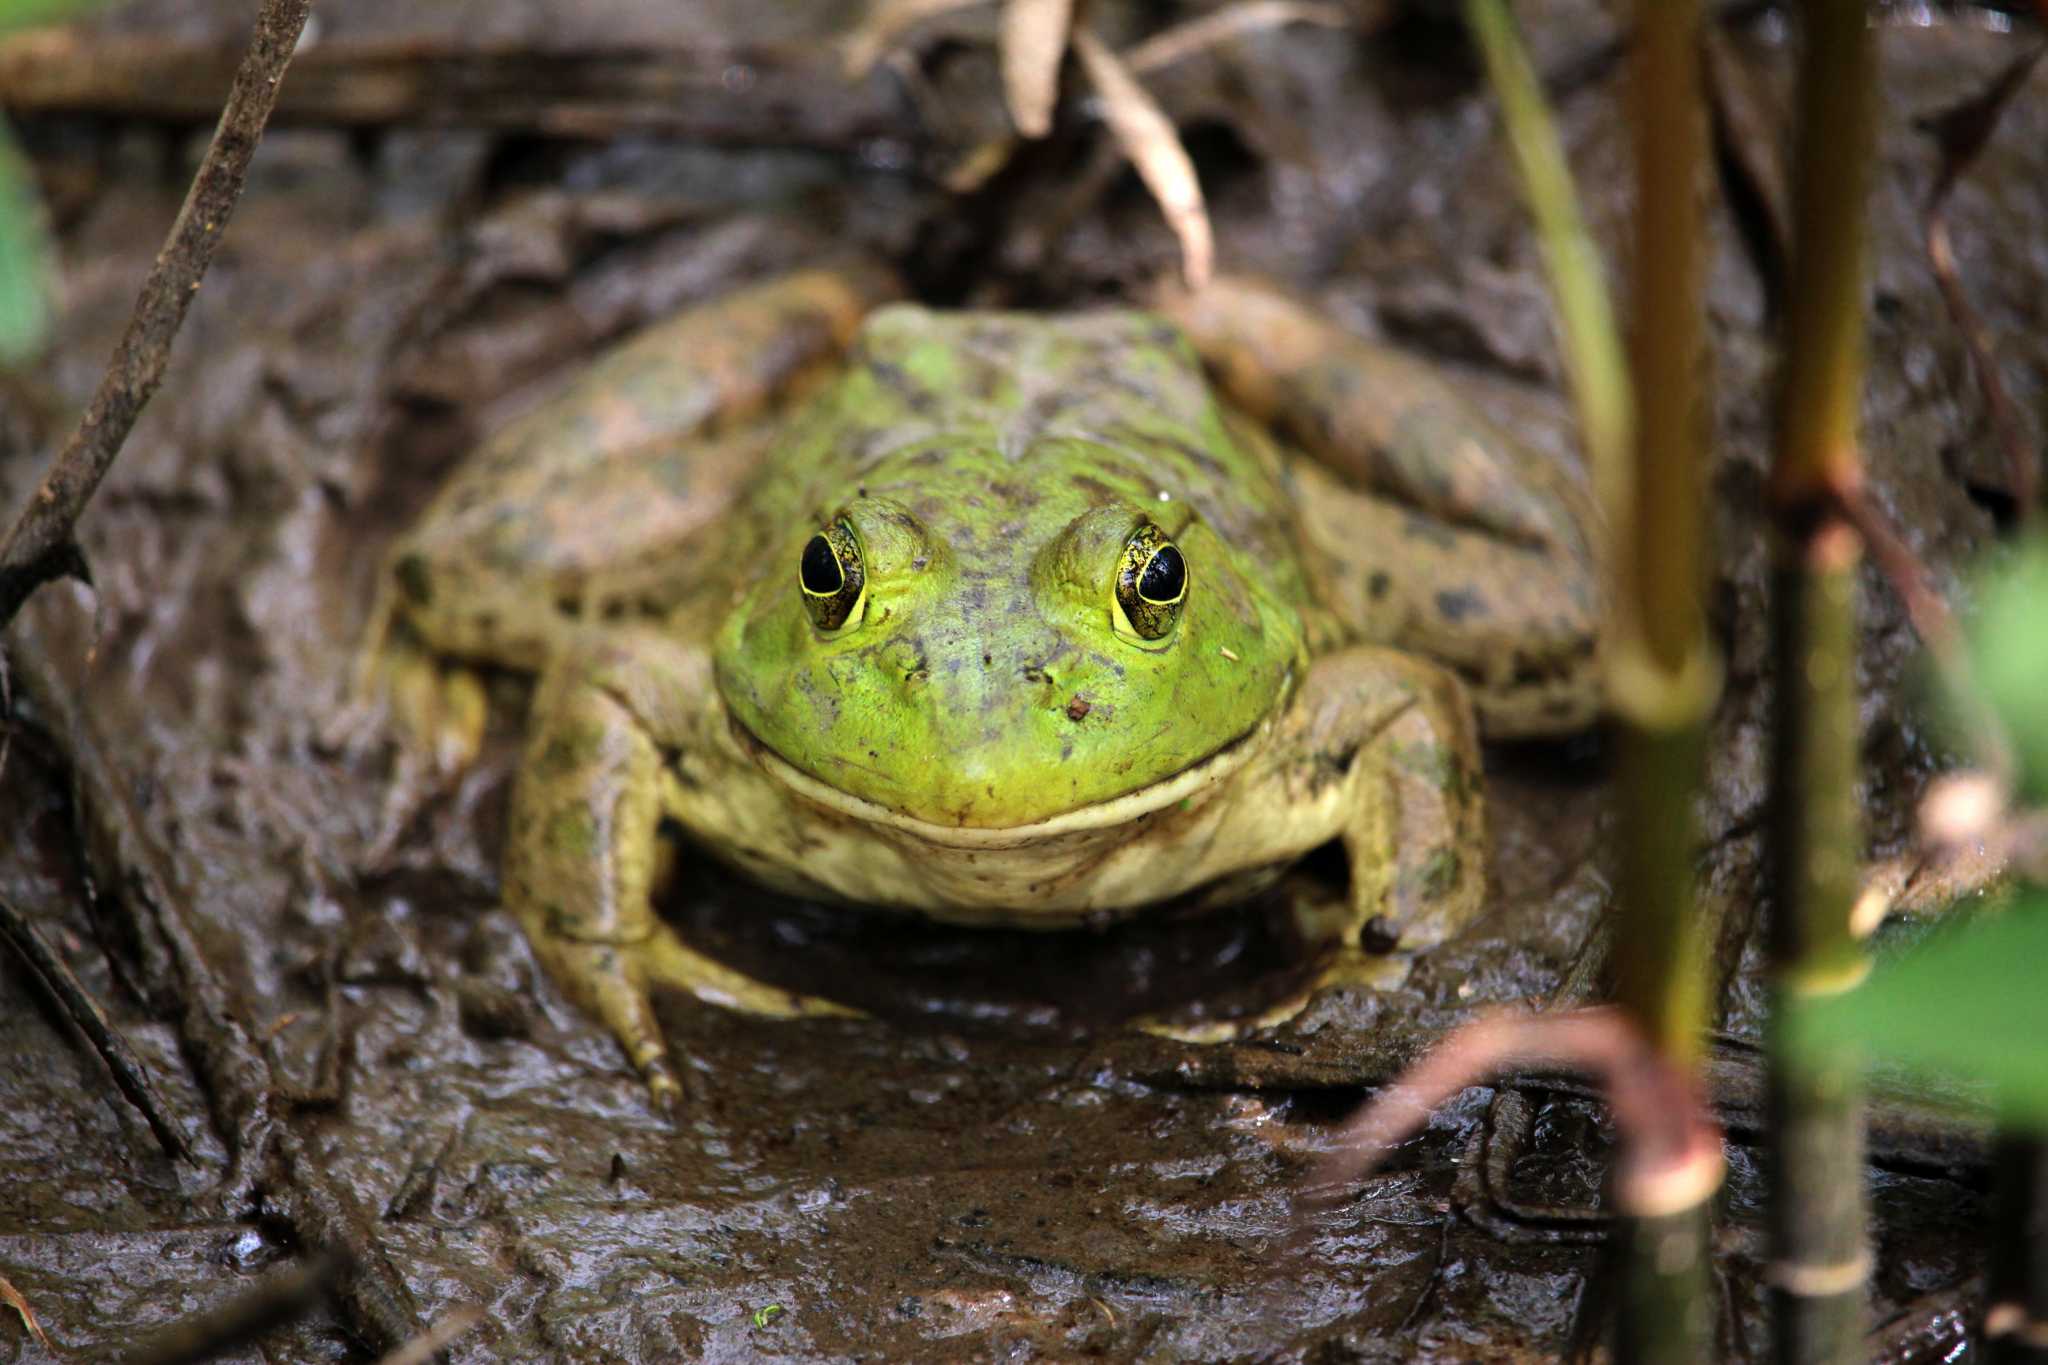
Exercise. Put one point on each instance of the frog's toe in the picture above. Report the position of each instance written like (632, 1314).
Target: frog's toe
(666, 959)
(605, 981)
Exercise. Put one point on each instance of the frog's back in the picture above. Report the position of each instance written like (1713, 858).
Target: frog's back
(1019, 417)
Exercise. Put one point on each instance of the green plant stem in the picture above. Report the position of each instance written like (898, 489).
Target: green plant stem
(1824, 361)
(1593, 352)
(1647, 449)
(1659, 665)
(1820, 1256)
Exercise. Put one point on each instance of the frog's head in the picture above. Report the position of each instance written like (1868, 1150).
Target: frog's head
(966, 649)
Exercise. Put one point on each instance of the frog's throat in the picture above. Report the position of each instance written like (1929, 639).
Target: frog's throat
(1191, 781)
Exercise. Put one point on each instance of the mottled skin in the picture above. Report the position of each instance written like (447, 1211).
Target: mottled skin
(989, 740)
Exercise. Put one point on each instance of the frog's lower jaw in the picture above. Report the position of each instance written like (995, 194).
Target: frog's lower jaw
(1187, 784)
(1106, 861)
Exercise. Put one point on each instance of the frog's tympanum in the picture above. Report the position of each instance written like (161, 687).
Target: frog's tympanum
(994, 618)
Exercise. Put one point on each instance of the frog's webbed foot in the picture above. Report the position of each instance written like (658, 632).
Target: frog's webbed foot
(1394, 739)
(583, 850)
(1428, 526)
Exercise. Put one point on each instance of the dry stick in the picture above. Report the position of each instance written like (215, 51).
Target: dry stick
(228, 1062)
(1820, 1258)
(40, 547)
(130, 1075)
(1962, 133)
(279, 1299)
(730, 94)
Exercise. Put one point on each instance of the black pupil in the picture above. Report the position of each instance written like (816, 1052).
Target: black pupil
(820, 568)
(1165, 575)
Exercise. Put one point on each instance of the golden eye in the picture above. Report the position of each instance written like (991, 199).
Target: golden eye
(1151, 583)
(834, 583)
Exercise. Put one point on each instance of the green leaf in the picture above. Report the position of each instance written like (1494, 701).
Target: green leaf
(24, 258)
(2009, 658)
(27, 13)
(1963, 1011)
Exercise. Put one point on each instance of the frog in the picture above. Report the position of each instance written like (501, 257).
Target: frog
(992, 617)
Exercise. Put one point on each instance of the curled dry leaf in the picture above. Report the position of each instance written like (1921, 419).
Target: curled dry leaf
(11, 1296)
(886, 21)
(1149, 140)
(1184, 40)
(1033, 41)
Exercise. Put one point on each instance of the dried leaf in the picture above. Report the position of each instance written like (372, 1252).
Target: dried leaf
(1149, 139)
(11, 1296)
(885, 23)
(1184, 40)
(1034, 40)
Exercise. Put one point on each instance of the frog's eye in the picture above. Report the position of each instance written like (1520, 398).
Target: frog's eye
(1151, 584)
(833, 582)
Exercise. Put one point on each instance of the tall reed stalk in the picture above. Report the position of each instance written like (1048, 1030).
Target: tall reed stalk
(1819, 1244)
(1646, 443)
(1662, 676)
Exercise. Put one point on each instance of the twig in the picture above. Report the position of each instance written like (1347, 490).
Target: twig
(40, 547)
(281, 1298)
(1185, 39)
(1671, 1148)
(130, 1075)
(226, 1058)
(1961, 133)
(13, 1298)
(446, 1328)
(729, 94)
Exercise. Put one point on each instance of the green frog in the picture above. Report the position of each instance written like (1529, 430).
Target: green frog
(995, 618)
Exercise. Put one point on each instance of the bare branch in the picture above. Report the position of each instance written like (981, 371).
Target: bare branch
(40, 546)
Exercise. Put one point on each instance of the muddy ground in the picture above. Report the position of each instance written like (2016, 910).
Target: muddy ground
(991, 1169)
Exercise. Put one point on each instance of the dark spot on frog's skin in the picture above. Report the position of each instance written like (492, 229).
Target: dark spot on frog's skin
(1078, 708)
(1376, 586)
(414, 579)
(1459, 604)
(571, 607)
(987, 659)
(897, 381)
(1416, 526)
(1033, 673)
(1095, 488)
(1379, 936)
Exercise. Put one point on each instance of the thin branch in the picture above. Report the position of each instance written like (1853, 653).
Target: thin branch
(1962, 133)
(732, 94)
(445, 1330)
(130, 1075)
(274, 1302)
(40, 547)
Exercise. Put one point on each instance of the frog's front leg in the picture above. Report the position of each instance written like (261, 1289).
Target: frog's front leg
(1386, 742)
(1427, 526)
(583, 847)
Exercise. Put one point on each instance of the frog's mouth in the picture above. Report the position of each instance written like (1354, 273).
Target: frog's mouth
(1190, 782)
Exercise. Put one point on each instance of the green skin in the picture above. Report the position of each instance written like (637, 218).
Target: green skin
(986, 725)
